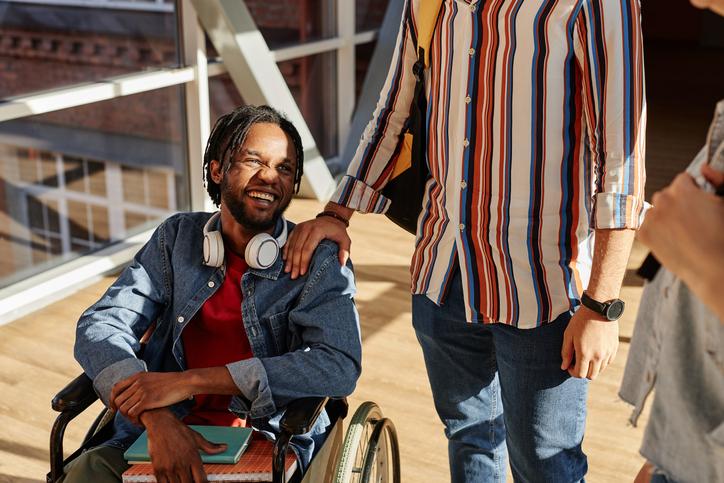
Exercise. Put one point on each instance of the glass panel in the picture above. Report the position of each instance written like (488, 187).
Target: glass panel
(50, 45)
(75, 180)
(223, 96)
(363, 57)
(369, 14)
(288, 22)
(313, 82)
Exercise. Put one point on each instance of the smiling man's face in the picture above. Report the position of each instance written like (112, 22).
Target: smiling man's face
(259, 182)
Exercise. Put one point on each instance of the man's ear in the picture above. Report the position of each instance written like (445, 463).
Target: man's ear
(216, 175)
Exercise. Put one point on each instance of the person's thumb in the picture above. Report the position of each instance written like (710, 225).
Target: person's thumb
(208, 446)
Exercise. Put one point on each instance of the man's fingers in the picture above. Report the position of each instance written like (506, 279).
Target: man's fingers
(566, 352)
(296, 254)
(594, 369)
(198, 474)
(580, 369)
(123, 397)
(343, 257)
(119, 388)
(716, 178)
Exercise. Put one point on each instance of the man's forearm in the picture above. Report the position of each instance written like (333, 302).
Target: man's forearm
(610, 257)
(211, 380)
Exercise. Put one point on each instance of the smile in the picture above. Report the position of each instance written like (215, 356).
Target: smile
(260, 195)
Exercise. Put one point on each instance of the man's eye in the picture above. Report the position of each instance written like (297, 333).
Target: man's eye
(286, 168)
(252, 161)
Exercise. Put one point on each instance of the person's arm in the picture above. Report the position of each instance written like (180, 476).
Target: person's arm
(108, 334)
(685, 231)
(371, 165)
(609, 51)
(589, 336)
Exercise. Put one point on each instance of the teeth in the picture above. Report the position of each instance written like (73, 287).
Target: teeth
(262, 196)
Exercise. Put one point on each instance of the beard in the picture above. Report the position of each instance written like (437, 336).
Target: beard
(242, 214)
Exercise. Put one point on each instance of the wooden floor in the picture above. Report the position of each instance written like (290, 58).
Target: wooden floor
(36, 361)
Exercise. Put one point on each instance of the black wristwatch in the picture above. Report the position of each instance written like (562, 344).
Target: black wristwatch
(611, 309)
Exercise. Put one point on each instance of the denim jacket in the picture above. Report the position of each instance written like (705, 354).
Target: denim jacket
(304, 333)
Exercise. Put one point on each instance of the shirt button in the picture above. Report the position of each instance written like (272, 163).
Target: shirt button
(463, 184)
(466, 143)
(468, 99)
(180, 319)
(473, 8)
(471, 52)
(211, 284)
(462, 226)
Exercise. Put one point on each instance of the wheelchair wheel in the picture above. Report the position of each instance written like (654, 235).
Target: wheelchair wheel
(370, 452)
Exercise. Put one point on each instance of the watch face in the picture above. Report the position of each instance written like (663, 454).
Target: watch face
(615, 310)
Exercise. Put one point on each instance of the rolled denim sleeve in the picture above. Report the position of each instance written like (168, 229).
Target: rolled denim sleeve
(108, 334)
(329, 361)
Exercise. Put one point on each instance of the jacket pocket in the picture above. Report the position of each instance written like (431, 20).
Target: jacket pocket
(279, 326)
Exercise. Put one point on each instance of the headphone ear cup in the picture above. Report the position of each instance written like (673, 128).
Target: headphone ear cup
(213, 249)
(261, 251)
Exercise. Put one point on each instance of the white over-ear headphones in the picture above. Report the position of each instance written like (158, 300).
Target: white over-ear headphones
(261, 251)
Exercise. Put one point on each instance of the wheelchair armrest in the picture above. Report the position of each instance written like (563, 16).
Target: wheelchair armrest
(76, 396)
(301, 414)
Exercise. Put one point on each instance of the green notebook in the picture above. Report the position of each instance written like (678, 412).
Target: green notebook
(236, 440)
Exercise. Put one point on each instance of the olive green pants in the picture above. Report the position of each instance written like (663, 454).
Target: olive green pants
(102, 464)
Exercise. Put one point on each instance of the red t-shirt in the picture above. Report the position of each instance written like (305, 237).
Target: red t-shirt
(214, 338)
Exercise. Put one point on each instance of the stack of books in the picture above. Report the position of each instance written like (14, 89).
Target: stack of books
(245, 458)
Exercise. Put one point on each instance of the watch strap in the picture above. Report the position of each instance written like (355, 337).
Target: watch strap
(595, 305)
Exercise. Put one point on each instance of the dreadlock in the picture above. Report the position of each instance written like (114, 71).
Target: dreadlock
(229, 134)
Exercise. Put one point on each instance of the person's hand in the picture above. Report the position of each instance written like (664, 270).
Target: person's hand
(174, 448)
(685, 232)
(684, 227)
(306, 236)
(148, 390)
(592, 340)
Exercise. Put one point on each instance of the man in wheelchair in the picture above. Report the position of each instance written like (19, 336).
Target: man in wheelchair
(230, 338)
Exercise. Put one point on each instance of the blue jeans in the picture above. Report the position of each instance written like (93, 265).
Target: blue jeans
(476, 370)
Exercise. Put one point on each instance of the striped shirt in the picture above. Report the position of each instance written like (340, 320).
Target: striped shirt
(536, 134)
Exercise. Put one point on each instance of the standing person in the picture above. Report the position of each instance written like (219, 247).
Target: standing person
(535, 129)
(677, 346)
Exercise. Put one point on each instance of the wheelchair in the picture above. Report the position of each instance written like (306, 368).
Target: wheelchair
(369, 451)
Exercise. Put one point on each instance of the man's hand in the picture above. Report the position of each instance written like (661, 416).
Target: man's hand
(685, 231)
(306, 236)
(148, 390)
(174, 448)
(592, 340)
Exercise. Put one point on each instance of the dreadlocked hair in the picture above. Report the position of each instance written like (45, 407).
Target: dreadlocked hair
(229, 134)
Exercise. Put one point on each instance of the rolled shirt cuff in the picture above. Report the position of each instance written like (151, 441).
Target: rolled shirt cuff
(250, 377)
(359, 196)
(617, 210)
(108, 377)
